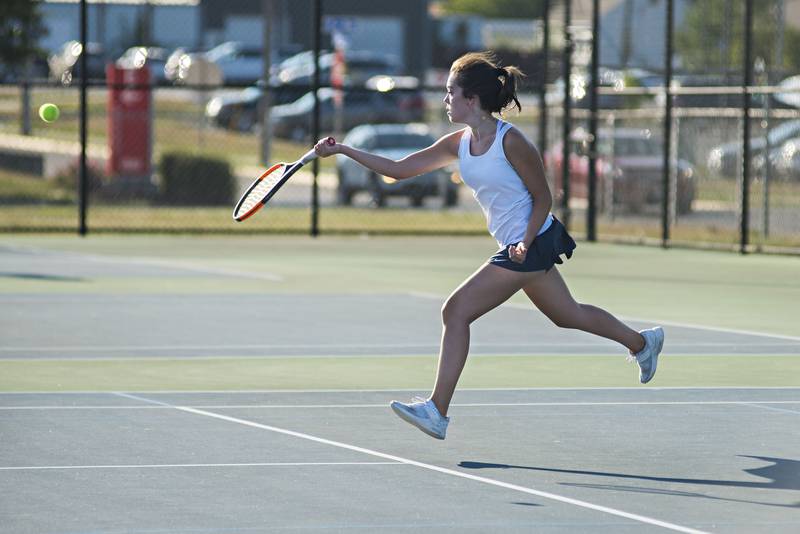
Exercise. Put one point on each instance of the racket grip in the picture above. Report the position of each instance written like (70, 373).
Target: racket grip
(311, 154)
(308, 156)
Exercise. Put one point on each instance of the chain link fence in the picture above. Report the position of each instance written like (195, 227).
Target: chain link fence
(206, 132)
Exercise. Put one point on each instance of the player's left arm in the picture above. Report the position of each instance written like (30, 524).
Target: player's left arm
(527, 161)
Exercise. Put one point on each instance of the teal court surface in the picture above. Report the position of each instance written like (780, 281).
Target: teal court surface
(211, 384)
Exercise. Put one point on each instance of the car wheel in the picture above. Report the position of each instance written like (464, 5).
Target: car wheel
(344, 196)
(246, 122)
(375, 191)
(298, 134)
(685, 198)
(451, 197)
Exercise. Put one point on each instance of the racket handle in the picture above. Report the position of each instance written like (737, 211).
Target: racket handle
(308, 156)
(311, 154)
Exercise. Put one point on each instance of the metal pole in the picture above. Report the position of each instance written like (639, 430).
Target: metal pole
(543, 84)
(315, 123)
(265, 103)
(667, 150)
(565, 149)
(591, 213)
(748, 78)
(767, 166)
(83, 185)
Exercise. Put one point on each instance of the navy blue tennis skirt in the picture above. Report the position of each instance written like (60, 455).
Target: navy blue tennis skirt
(545, 252)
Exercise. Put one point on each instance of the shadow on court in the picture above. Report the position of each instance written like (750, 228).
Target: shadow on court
(782, 474)
(42, 277)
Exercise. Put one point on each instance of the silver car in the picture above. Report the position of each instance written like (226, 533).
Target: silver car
(393, 141)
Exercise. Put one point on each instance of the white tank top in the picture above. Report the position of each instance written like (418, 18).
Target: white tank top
(501, 193)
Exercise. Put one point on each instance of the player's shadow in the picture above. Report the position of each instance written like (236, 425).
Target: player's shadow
(781, 474)
(45, 277)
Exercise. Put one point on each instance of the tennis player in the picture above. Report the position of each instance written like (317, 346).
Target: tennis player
(507, 177)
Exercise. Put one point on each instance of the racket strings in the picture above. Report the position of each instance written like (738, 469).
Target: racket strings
(260, 190)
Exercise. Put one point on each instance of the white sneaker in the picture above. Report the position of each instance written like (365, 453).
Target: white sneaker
(423, 414)
(647, 358)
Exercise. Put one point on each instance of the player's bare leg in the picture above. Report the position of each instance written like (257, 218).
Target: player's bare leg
(486, 289)
(551, 295)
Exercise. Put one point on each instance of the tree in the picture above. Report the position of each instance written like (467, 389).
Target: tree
(20, 29)
(500, 9)
(711, 38)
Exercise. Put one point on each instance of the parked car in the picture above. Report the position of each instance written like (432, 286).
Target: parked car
(785, 160)
(35, 68)
(240, 63)
(381, 99)
(178, 62)
(393, 141)
(629, 170)
(65, 65)
(608, 78)
(726, 159)
(295, 74)
(235, 110)
(151, 57)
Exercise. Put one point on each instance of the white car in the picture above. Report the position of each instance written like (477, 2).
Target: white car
(393, 141)
(240, 64)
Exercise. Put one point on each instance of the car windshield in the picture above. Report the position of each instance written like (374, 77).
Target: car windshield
(222, 52)
(784, 131)
(635, 146)
(402, 140)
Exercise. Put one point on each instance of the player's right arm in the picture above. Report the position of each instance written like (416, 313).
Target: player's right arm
(436, 156)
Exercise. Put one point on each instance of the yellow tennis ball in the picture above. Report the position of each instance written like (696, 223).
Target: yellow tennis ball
(49, 112)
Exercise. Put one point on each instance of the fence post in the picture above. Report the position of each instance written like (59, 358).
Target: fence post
(667, 150)
(83, 186)
(543, 85)
(565, 148)
(591, 212)
(747, 82)
(315, 123)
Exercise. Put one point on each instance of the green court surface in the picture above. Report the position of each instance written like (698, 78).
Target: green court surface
(711, 293)
(178, 384)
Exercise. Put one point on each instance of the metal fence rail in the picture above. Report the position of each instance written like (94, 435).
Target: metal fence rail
(208, 141)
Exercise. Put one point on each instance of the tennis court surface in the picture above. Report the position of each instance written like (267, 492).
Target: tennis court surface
(194, 385)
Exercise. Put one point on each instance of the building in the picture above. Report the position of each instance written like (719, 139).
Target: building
(401, 29)
(119, 24)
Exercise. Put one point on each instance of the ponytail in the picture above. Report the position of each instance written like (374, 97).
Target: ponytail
(479, 74)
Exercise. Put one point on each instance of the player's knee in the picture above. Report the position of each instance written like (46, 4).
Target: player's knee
(568, 318)
(454, 311)
(563, 321)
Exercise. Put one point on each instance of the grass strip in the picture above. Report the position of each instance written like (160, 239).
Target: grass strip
(293, 373)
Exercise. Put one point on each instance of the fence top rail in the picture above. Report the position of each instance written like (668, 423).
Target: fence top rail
(711, 90)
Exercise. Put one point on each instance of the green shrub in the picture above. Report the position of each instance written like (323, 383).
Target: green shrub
(192, 180)
(68, 178)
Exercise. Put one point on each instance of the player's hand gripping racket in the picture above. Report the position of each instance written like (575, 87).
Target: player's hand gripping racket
(266, 185)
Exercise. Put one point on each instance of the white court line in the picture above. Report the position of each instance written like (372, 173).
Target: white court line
(638, 320)
(349, 346)
(403, 390)
(128, 260)
(168, 466)
(385, 405)
(430, 467)
(111, 348)
(771, 408)
(186, 267)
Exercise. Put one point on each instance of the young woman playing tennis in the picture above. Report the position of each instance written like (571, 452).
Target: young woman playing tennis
(507, 177)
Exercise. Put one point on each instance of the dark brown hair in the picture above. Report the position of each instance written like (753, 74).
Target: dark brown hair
(479, 74)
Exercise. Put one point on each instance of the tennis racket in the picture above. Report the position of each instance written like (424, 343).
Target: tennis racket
(266, 185)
